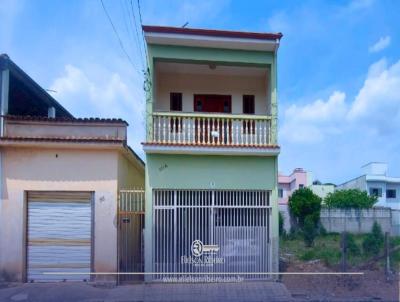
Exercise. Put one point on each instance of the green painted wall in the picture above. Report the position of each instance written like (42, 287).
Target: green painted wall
(203, 54)
(211, 172)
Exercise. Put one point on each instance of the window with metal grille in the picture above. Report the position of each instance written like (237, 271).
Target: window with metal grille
(375, 192)
(391, 193)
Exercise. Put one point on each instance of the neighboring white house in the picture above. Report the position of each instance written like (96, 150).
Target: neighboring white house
(376, 182)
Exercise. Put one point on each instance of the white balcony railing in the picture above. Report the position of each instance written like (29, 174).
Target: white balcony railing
(211, 129)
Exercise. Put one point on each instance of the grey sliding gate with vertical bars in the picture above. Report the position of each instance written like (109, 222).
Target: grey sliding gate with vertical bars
(234, 223)
(131, 205)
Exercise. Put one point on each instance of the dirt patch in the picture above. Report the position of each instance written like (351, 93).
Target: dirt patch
(372, 286)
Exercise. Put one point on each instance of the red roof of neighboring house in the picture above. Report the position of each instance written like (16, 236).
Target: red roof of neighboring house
(212, 32)
(66, 119)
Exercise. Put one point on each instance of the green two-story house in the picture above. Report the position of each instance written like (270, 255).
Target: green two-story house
(212, 152)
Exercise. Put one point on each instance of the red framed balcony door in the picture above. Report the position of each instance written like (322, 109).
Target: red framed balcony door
(211, 130)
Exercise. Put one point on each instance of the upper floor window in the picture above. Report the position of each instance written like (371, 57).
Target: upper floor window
(375, 192)
(175, 101)
(248, 104)
(391, 193)
(301, 186)
(280, 193)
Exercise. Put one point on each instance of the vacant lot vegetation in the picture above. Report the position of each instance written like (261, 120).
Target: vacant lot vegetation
(327, 250)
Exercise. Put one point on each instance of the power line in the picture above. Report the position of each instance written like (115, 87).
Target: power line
(137, 33)
(129, 28)
(141, 25)
(118, 37)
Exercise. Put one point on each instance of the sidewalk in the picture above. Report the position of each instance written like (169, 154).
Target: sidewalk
(66, 292)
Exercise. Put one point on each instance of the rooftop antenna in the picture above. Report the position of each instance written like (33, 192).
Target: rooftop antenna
(184, 25)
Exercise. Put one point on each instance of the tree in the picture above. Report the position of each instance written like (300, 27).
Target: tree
(305, 209)
(309, 230)
(374, 241)
(303, 203)
(352, 198)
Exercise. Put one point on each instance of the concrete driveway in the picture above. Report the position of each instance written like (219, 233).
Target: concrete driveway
(66, 292)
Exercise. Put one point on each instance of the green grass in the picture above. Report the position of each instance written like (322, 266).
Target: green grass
(327, 250)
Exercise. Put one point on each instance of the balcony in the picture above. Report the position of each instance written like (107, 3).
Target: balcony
(196, 107)
(200, 129)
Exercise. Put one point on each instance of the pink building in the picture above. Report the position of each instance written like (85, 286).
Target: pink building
(288, 184)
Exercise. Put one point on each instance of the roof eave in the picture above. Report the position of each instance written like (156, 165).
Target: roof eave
(212, 33)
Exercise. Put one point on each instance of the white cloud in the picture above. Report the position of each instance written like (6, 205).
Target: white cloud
(381, 44)
(375, 110)
(100, 92)
(310, 123)
(106, 95)
(378, 101)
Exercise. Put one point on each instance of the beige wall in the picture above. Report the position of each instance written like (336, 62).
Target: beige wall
(27, 169)
(64, 129)
(130, 174)
(190, 84)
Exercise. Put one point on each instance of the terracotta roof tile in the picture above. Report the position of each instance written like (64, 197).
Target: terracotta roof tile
(63, 139)
(66, 119)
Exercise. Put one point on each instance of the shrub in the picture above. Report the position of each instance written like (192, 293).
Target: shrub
(352, 198)
(373, 241)
(303, 203)
(352, 246)
(308, 255)
(309, 230)
(293, 234)
(330, 257)
(322, 230)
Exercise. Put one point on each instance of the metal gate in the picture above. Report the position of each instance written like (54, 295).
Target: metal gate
(211, 231)
(131, 205)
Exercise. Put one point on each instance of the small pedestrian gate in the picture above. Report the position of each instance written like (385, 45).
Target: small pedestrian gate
(131, 205)
(216, 231)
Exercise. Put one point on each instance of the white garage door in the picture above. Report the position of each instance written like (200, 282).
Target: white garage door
(59, 236)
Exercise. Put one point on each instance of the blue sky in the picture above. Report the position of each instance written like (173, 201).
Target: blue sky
(339, 68)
